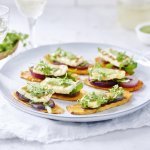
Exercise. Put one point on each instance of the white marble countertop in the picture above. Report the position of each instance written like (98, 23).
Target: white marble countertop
(83, 24)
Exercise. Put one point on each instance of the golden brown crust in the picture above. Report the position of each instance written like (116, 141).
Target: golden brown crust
(73, 70)
(67, 98)
(27, 76)
(138, 87)
(56, 110)
(78, 71)
(78, 110)
(8, 52)
(104, 63)
(99, 60)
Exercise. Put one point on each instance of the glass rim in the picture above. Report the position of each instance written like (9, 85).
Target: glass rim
(6, 10)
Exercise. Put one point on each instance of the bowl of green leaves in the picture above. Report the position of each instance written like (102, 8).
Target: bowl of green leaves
(11, 42)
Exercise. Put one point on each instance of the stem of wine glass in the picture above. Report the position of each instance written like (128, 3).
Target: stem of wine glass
(32, 23)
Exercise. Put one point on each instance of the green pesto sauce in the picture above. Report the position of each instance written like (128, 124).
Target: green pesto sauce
(146, 29)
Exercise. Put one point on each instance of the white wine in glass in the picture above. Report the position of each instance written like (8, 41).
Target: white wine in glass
(32, 9)
(4, 15)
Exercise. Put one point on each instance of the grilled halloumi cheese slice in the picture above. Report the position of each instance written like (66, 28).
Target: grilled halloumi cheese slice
(77, 109)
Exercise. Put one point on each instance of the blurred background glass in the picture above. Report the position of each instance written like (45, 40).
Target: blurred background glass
(133, 12)
(79, 20)
(32, 9)
(4, 14)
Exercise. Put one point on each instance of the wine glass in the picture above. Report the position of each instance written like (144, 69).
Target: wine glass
(32, 9)
(4, 15)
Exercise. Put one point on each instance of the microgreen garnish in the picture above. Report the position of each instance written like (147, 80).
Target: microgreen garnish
(36, 89)
(62, 53)
(96, 99)
(45, 68)
(11, 40)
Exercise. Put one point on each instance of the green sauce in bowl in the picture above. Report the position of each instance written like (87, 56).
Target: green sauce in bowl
(145, 29)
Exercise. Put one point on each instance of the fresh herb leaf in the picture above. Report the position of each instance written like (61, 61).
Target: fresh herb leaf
(11, 40)
(36, 89)
(130, 67)
(115, 92)
(99, 49)
(97, 65)
(109, 66)
(62, 53)
(78, 87)
(92, 100)
(45, 68)
(69, 75)
(58, 81)
(65, 82)
(121, 56)
(84, 63)
(96, 99)
(98, 73)
(128, 64)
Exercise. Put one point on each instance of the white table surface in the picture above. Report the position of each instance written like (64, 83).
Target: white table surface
(83, 24)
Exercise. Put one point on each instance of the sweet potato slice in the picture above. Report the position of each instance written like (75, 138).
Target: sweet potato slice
(136, 88)
(68, 98)
(27, 76)
(56, 110)
(78, 110)
(78, 71)
(73, 70)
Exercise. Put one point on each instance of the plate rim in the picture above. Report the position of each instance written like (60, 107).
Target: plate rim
(37, 113)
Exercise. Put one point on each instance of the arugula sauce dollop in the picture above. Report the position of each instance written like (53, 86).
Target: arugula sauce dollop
(146, 29)
(98, 98)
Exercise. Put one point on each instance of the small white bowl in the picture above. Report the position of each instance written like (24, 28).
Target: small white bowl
(143, 37)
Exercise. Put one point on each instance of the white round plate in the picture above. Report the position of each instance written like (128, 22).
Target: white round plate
(28, 58)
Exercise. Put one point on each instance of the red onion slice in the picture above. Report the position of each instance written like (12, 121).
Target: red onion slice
(22, 97)
(51, 103)
(58, 63)
(38, 106)
(132, 83)
(36, 75)
(106, 84)
(81, 67)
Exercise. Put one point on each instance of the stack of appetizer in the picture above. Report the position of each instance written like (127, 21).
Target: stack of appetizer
(56, 76)
(76, 64)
